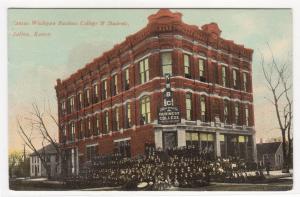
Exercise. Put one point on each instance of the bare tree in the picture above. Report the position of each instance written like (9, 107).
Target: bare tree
(38, 122)
(277, 76)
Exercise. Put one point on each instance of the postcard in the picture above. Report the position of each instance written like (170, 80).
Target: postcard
(150, 99)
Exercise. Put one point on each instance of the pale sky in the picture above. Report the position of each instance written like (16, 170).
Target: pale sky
(35, 63)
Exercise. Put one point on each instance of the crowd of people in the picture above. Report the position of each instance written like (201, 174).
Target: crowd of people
(161, 170)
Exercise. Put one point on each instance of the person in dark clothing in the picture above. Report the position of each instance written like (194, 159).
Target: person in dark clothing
(268, 167)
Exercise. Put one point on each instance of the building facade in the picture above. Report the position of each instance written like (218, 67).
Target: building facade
(111, 105)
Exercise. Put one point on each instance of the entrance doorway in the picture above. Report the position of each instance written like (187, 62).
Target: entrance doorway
(169, 140)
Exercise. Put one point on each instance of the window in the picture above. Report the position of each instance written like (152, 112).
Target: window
(79, 98)
(89, 129)
(71, 105)
(144, 71)
(166, 61)
(192, 139)
(225, 111)
(203, 108)
(72, 136)
(97, 125)
(127, 116)
(105, 122)
(246, 115)
(145, 110)
(236, 113)
(207, 142)
(116, 124)
(234, 76)
(202, 71)
(87, 97)
(126, 79)
(104, 90)
(64, 134)
(80, 127)
(114, 85)
(216, 73)
(224, 76)
(187, 67)
(91, 152)
(188, 106)
(95, 93)
(63, 107)
(245, 82)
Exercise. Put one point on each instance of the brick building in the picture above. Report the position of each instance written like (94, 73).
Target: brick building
(111, 104)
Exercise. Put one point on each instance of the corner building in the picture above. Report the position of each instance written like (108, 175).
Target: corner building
(111, 104)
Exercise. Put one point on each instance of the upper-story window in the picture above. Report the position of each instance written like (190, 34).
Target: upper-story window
(72, 104)
(224, 76)
(188, 106)
(126, 83)
(245, 82)
(116, 122)
(104, 90)
(216, 73)
(63, 107)
(236, 113)
(202, 70)
(235, 78)
(203, 108)
(105, 122)
(114, 85)
(226, 107)
(95, 93)
(97, 125)
(166, 63)
(88, 127)
(87, 97)
(72, 134)
(246, 115)
(79, 101)
(187, 66)
(80, 127)
(145, 110)
(144, 70)
(64, 134)
(127, 115)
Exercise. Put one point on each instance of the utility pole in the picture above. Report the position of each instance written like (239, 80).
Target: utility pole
(24, 161)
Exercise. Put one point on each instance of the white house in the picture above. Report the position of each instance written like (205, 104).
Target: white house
(36, 167)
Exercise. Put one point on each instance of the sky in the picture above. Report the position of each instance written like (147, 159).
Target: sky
(35, 62)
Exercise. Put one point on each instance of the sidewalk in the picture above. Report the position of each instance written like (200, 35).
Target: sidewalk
(277, 174)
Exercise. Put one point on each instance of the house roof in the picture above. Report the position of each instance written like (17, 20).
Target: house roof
(267, 148)
(49, 149)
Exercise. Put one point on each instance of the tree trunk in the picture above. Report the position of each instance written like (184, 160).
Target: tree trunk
(285, 161)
